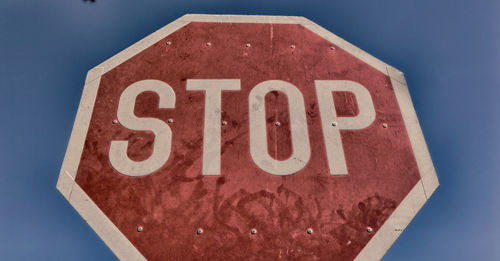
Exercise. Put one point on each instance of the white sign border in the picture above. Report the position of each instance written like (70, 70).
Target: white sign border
(125, 250)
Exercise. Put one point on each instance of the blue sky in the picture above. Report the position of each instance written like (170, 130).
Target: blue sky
(449, 51)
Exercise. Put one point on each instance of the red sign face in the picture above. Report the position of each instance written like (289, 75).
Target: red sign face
(252, 139)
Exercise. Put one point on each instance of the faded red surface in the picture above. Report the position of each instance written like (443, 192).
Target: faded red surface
(172, 203)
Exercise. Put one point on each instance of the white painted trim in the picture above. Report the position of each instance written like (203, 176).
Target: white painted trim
(141, 45)
(260, 19)
(421, 192)
(394, 226)
(97, 220)
(66, 184)
(122, 247)
(82, 121)
(343, 44)
(424, 162)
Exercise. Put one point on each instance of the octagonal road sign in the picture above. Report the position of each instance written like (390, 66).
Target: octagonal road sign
(246, 138)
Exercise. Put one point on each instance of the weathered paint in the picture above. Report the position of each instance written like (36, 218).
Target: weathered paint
(173, 202)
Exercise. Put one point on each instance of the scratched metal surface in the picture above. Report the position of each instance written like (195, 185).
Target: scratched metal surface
(173, 202)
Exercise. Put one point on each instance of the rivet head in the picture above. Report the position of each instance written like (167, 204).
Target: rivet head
(247, 45)
(332, 48)
(224, 123)
(253, 231)
(139, 229)
(309, 231)
(199, 231)
(334, 124)
(209, 43)
(292, 46)
(369, 229)
(115, 121)
(170, 120)
(168, 43)
(349, 242)
(384, 125)
(277, 123)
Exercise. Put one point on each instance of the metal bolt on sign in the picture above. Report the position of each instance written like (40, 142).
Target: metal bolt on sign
(139, 229)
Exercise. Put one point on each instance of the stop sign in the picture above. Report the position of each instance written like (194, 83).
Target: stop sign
(246, 138)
